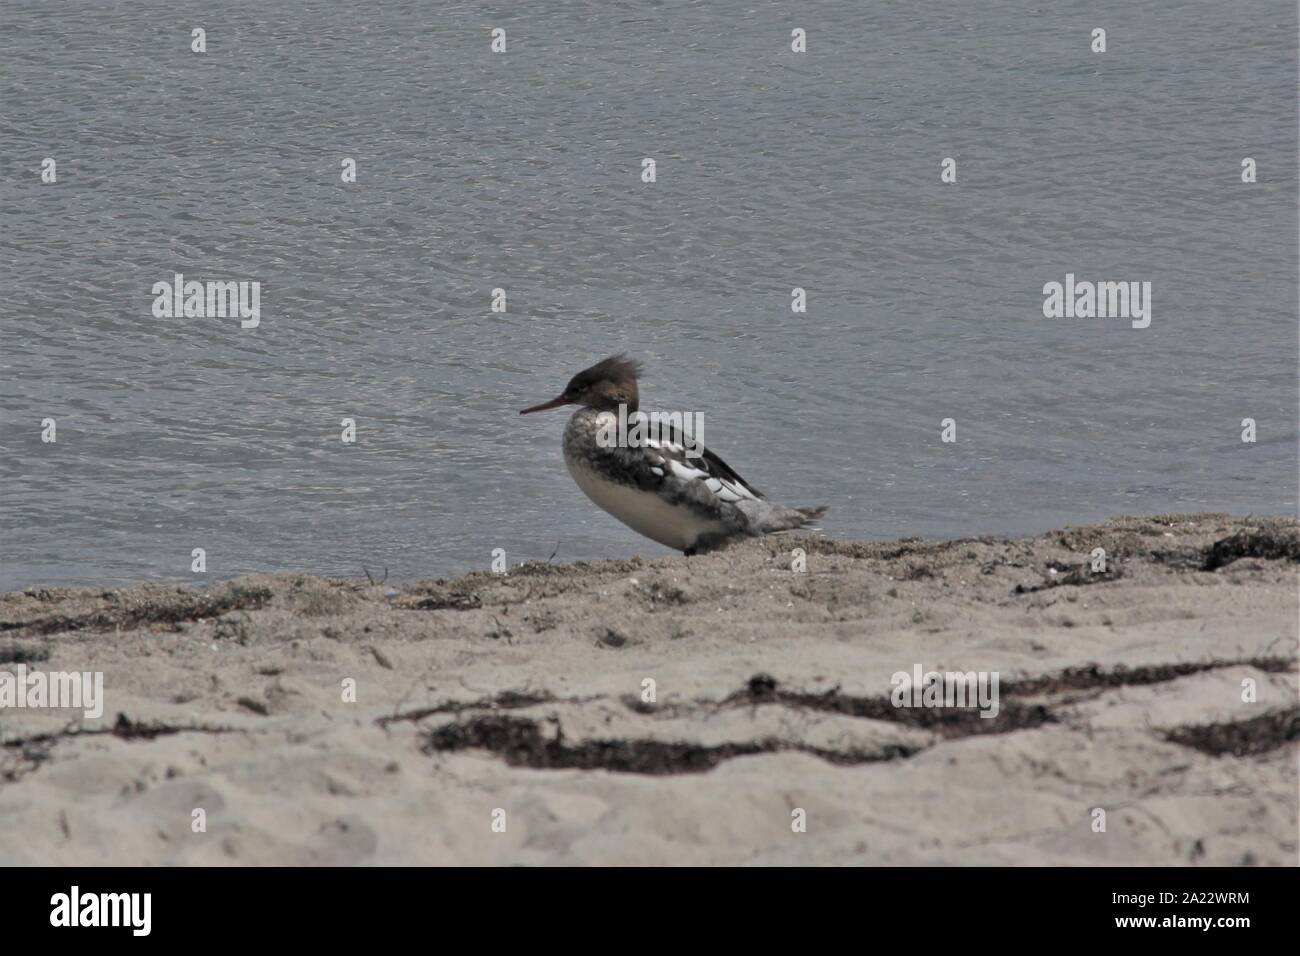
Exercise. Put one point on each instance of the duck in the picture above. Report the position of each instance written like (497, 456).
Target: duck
(656, 476)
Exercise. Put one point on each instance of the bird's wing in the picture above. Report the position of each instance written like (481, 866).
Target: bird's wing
(671, 447)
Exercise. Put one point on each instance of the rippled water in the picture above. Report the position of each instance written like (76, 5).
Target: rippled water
(522, 171)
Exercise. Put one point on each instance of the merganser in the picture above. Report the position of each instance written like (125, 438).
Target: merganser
(667, 487)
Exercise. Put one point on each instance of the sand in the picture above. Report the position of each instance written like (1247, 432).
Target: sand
(505, 719)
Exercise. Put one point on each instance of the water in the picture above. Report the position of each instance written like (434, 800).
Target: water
(522, 171)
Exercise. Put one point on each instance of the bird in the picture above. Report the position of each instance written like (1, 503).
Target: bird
(660, 482)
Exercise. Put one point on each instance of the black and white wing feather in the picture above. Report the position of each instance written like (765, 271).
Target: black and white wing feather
(667, 455)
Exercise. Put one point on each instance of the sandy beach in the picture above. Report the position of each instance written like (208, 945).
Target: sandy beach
(721, 709)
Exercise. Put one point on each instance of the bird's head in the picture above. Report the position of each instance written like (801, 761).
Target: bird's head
(605, 386)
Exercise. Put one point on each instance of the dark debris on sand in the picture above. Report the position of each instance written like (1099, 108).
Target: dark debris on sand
(521, 743)
(1272, 541)
(1242, 738)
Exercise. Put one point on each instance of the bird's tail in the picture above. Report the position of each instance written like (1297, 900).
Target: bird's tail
(793, 519)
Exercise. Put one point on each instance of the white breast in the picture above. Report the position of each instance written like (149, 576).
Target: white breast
(676, 526)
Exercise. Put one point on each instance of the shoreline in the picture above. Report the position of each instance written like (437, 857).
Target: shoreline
(407, 574)
(1119, 690)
